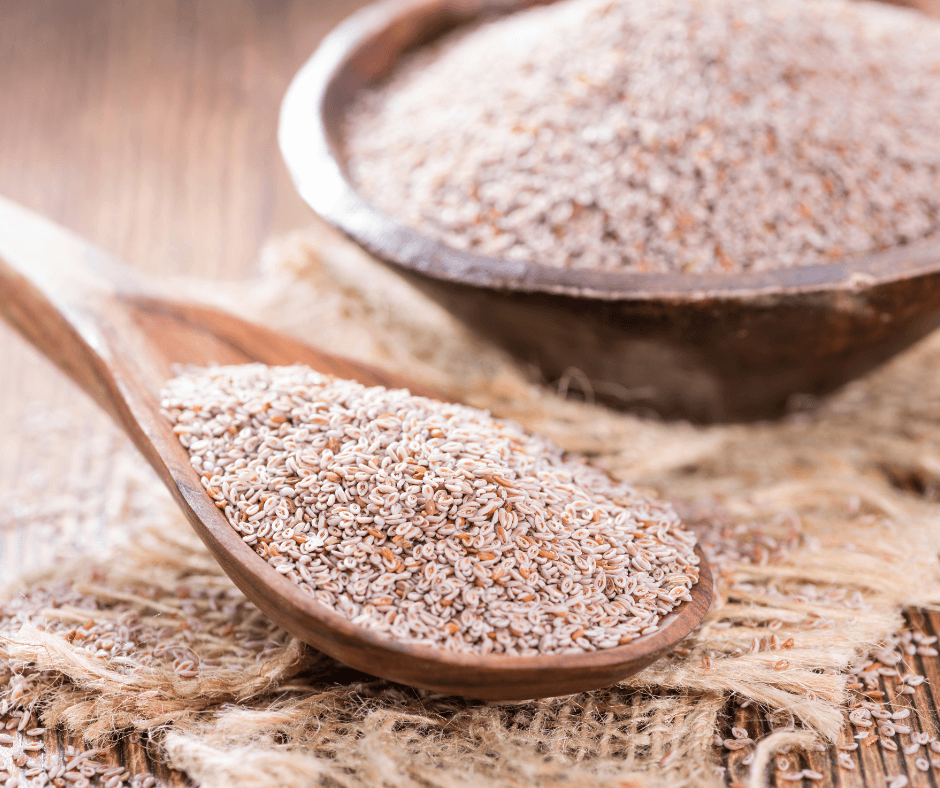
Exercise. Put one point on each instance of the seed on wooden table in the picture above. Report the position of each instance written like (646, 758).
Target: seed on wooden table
(739, 733)
(889, 745)
(845, 760)
(812, 774)
(922, 763)
(7, 739)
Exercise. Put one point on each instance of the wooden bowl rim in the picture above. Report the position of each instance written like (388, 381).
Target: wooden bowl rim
(310, 151)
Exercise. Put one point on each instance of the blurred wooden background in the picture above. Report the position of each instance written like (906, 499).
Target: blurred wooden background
(149, 128)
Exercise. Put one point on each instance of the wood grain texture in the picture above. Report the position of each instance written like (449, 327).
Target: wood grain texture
(874, 765)
(149, 127)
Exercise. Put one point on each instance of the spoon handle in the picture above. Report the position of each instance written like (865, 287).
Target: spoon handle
(63, 295)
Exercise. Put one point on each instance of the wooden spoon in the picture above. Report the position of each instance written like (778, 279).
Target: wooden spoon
(117, 335)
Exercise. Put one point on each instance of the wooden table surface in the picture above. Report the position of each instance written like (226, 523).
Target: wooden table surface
(150, 128)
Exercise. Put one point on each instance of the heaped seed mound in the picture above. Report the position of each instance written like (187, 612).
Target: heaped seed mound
(434, 523)
(664, 135)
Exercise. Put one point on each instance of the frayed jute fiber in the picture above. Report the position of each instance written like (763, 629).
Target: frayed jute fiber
(820, 530)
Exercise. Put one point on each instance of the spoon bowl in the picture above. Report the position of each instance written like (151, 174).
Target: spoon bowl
(118, 335)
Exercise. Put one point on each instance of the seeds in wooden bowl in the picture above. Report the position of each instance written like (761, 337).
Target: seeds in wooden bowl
(678, 135)
(431, 522)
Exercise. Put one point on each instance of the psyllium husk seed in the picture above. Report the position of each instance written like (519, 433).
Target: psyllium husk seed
(430, 522)
(668, 136)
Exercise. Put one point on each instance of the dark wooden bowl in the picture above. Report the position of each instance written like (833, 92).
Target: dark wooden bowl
(707, 347)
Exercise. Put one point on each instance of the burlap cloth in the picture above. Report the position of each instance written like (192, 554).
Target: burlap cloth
(821, 524)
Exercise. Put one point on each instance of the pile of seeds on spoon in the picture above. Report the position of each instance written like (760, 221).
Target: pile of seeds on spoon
(431, 522)
(677, 135)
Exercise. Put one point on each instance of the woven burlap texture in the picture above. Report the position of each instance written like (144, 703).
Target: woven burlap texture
(820, 524)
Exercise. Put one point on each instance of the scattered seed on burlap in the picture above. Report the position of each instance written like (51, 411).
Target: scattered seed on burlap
(680, 135)
(428, 521)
